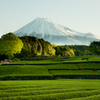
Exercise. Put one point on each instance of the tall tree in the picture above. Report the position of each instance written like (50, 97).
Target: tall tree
(51, 50)
(31, 45)
(94, 47)
(10, 44)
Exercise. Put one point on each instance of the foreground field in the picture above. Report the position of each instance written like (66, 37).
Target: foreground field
(76, 89)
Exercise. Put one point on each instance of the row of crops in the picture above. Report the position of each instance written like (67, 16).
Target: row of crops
(50, 70)
(36, 84)
(50, 90)
(51, 67)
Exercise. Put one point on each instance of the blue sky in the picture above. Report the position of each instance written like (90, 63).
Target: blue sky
(79, 15)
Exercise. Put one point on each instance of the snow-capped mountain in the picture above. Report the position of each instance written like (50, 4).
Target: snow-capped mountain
(55, 33)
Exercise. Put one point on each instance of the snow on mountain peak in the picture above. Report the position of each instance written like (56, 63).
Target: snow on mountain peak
(54, 33)
(44, 26)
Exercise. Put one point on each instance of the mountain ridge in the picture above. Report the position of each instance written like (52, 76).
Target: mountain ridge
(55, 33)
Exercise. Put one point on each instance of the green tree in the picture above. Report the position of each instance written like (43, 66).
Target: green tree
(94, 47)
(80, 49)
(10, 44)
(32, 46)
(78, 53)
(72, 52)
(64, 51)
(51, 50)
(44, 46)
(66, 54)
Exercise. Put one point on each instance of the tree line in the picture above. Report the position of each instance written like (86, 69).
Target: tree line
(24, 47)
(35, 47)
(12, 46)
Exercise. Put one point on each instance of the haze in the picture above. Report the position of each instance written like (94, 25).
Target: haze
(79, 15)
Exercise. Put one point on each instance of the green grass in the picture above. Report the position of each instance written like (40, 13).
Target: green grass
(51, 67)
(45, 70)
(23, 70)
(61, 89)
(50, 90)
(94, 59)
(74, 72)
(89, 66)
(7, 70)
(62, 66)
(35, 62)
(28, 70)
(79, 59)
(58, 60)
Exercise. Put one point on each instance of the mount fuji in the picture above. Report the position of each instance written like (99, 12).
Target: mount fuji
(55, 33)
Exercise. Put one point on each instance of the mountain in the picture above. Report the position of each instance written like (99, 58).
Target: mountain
(55, 33)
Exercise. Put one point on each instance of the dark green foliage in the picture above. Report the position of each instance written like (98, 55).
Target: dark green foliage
(64, 51)
(24, 53)
(80, 49)
(44, 46)
(32, 45)
(94, 47)
(35, 47)
(78, 53)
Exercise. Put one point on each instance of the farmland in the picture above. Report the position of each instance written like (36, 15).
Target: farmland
(73, 78)
(51, 68)
(61, 89)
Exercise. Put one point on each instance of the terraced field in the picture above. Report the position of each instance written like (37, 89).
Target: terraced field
(69, 89)
(42, 79)
(51, 68)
